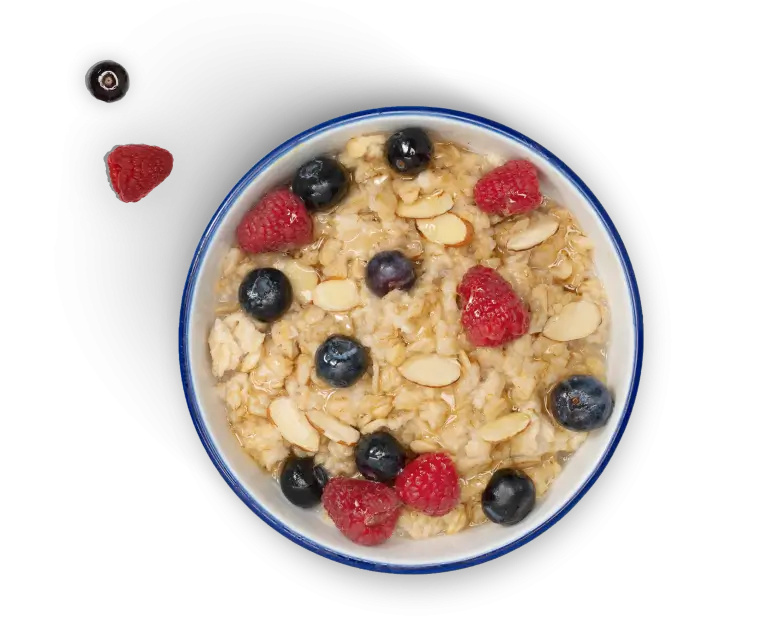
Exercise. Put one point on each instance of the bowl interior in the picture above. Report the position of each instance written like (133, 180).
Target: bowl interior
(260, 491)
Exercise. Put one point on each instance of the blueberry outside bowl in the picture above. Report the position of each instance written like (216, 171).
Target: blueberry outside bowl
(260, 491)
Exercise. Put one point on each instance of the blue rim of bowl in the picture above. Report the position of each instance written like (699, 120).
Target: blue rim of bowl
(187, 298)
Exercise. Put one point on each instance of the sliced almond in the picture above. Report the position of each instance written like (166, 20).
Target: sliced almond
(332, 428)
(428, 207)
(447, 229)
(540, 229)
(303, 279)
(431, 370)
(293, 425)
(563, 269)
(576, 320)
(505, 427)
(336, 295)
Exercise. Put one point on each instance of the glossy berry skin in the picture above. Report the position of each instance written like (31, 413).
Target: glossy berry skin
(321, 183)
(509, 189)
(365, 512)
(108, 81)
(492, 313)
(278, 222)
(340, 360)
(302, 481)
(429, 484)
(265, 294)
(509, 496)
(581, 403)
(409, 151)
(389, 270)
(379, 456)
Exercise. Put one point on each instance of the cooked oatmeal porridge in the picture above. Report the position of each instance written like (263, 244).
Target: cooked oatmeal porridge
(511, 384)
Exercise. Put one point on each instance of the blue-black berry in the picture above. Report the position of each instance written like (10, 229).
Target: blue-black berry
(108, 81)
(302, 481)
(340, 361)
(265, 294)
(409, 151)
(581, 403)
(389, 270)
(509, 496)
(321, 183)
(379, 456)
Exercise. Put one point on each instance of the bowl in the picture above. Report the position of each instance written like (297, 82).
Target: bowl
(260, 491)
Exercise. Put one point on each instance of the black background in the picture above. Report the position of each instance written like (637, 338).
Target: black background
(165, 509)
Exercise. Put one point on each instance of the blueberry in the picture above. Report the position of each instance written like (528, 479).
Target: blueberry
(108, 81)
(302, 481)
(341, 361)
(409, 151)
(379, 456)
(389, 270)
(581, 403)
(510, 495)
(321, 183)
(265, 294)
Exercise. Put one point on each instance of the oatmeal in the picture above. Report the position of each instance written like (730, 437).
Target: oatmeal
(413, 361)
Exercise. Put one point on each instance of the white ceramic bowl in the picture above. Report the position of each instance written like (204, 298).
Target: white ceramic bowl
(260, 491)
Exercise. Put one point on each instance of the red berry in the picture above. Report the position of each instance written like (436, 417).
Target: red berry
(365, 512)
(136, 169)
(492, 312)
(509, 189)
(429, 484)
(277, 223)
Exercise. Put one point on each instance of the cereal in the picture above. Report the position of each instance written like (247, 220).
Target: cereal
(427, 385)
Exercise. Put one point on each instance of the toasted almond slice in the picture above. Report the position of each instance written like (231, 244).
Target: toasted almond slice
(576, 320)
(336, 295)
(505, 427)
(293, 425)
(426, 207)
(539, 229)
(332, 428)
(431, 370)
(303, 279)
(447, 229)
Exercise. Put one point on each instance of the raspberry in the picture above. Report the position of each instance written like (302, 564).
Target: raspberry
(429, 484)
(365, 512)
(278, 222)
(492, 312)
(509, 189)
(136, 169)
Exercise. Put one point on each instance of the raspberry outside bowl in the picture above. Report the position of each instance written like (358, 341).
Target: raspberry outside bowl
(260, 491)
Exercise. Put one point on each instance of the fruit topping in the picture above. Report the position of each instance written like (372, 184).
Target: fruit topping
(379, 456)
(509, 496)
(265, 294)
(340, 361)
(279, 222)
(492, 312)
(429, 484)
(510, 189)
(389, 270)
(580, 403)
(302, 481)
(365, 512)
(409, 151)
(321, 183)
